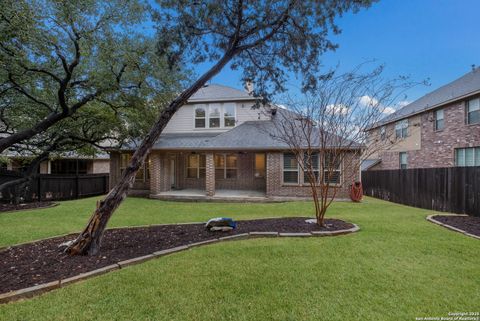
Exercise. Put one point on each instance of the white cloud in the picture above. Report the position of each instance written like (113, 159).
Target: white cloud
(368, 101)
(403, 103)
(338, 109)
(388, 110)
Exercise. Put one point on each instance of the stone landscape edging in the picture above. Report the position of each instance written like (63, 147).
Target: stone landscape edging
(456, 229)
(45, 287)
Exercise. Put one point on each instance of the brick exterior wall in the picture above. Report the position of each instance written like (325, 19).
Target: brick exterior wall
(275, 186)
(437, 147)
(100, 166)
(160, 176)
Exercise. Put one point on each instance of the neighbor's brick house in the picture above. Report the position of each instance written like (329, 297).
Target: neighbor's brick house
(441, 129)
(219, 142)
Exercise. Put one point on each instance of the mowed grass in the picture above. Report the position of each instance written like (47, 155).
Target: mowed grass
(398, 267)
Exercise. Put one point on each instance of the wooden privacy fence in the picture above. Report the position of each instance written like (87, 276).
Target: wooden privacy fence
(51, 187)
(451, 189)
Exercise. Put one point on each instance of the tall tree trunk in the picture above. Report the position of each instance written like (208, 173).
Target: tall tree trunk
(89, 240)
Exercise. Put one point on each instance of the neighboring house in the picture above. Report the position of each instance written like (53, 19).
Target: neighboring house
(67, 164)
(441, 129)
(219, 145)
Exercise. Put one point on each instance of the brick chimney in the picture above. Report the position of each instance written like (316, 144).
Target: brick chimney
(248, 85)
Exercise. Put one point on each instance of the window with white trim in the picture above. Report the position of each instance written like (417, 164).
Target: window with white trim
(290, 169)
(214, 115)
(439, 119)
(467, 156)
(311, 162)
(332, 169)
(403, 160)
(200, 117)
(225, 166)
(401, 128)
(229, 115)
(473, 111)
(196, 164)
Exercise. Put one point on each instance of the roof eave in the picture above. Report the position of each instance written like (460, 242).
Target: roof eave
(473, 93)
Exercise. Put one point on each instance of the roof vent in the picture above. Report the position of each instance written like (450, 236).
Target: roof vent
(474, 67)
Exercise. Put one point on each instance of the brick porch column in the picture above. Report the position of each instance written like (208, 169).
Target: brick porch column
(273, 179)
(210, 175)
(155, 185)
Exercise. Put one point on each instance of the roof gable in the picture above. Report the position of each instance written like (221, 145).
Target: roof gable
(214, 92)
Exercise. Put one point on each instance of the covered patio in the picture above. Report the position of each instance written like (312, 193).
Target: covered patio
(220, 195)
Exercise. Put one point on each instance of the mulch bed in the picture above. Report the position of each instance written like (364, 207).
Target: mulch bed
(469, 224)
(25, 206)
(40, 262)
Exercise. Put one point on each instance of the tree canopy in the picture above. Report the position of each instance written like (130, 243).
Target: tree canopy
(79, 71)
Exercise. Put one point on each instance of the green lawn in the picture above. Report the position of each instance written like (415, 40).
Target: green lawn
(398, 267)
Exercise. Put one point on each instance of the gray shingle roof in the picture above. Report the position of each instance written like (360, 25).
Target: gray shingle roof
(250, 135)
(368, 163)
(214, 92)
(464, 86)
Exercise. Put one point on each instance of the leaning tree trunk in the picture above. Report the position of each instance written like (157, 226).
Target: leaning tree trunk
(89, 240)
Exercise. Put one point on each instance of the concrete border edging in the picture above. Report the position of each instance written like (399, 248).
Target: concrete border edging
(45, 287)
(431, 219)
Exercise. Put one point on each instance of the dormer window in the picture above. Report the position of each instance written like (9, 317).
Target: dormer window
(214, 116)
(200, 117)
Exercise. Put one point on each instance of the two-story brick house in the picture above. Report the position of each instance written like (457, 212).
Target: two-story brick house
(440, 129)
(219, 146)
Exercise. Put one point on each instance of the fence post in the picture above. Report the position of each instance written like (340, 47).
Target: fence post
(77, 186)
(39, 187)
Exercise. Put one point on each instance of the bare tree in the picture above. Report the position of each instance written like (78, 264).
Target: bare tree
(263, 38)
(326, 131)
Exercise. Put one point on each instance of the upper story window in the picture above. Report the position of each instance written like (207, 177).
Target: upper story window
(403, 159)
(383, 133)
(215, 116)
(200, 117)
(439, 119)
(401, 128)
(229, 115)
(467, 156)
(473, 111)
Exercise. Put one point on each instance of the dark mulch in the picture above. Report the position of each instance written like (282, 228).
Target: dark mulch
(40, 262)
(469, 224)
(26, 206)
